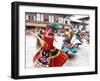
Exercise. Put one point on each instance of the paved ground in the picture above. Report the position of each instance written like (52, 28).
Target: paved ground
(81, 57)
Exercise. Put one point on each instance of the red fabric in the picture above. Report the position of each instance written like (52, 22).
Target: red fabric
(48, 43)
(70, 45)
(59, 60)
(47, 46)
(36, 56)
(56, 61)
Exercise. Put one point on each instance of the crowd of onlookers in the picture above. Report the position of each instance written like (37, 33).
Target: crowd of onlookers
(61, 32)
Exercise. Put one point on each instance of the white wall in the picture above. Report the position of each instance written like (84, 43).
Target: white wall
(5, 40)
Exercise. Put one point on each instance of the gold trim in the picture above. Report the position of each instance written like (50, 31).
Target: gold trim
(55, 55)
(52, 50)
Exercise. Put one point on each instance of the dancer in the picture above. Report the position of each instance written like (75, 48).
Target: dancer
(68, 46)
(77, 39)
(52, 56)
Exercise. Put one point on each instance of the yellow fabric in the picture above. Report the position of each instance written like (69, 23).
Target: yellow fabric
(67, 33)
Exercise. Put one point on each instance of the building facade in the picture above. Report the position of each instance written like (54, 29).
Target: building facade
(42, 19)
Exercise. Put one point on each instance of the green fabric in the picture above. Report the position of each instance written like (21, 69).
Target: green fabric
(54, 25)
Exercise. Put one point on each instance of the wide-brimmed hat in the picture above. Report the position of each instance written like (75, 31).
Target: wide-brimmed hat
(54, 26)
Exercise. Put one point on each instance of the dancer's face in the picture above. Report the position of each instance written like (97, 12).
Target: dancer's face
(51, 32)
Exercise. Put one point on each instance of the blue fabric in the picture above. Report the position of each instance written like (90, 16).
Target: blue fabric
(72, 49)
